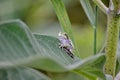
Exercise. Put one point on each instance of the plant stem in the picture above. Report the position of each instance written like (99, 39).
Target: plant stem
(111, 42)
(100, 4)
(95, 41)
(112, 37)
(95, 29)
(116, 4)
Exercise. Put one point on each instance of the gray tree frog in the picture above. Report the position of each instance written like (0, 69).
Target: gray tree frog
(66, 44)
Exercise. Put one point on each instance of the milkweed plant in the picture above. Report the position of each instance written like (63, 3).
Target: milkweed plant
(30, 56)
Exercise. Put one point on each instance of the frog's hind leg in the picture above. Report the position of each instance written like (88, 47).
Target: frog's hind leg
(68, 52)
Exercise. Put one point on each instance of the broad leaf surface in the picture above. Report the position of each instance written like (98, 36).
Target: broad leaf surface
(21, 73)
(19, 47)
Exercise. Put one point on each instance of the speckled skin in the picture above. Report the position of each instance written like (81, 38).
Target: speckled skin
(111, 43)
(66, 44)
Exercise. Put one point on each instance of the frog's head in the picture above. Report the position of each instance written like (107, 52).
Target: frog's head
(64, 35)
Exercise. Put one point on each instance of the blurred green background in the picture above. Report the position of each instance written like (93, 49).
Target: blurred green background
(41, 18)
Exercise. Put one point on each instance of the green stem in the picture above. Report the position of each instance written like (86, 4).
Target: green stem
(95, 41)
(112, 37)
(101, 5)
(111, 42)
(95, 29)
(116, 5)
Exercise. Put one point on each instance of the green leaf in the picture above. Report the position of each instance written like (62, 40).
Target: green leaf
(53, 55)
(63, 18)
(92, 70)
(19, 47)
(21, 73)
(88, 10)
(65, 76)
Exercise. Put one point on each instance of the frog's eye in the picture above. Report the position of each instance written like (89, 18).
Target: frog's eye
(60, 34)
(64, 35)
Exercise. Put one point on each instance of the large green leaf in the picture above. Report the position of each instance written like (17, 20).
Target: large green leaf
(88, 10)
(93, 70)
(19, 47)
(21, 73)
